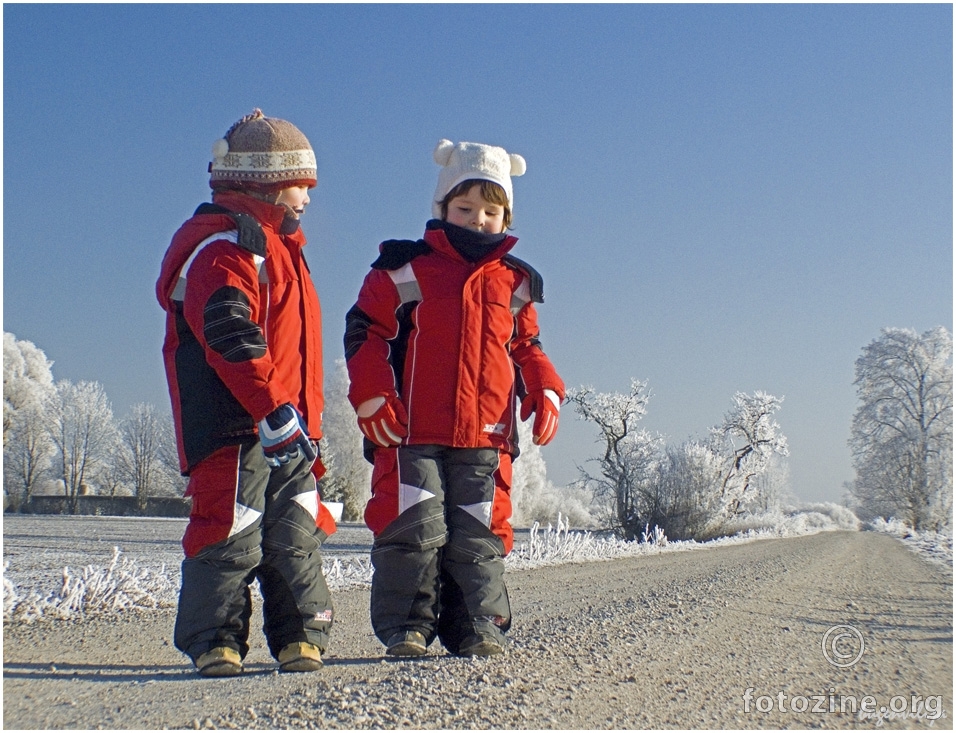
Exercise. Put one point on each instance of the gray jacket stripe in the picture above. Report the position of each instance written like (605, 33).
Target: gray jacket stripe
(406, 283)
(521, 297)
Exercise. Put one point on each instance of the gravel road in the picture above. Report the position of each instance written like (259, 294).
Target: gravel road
(729, 637)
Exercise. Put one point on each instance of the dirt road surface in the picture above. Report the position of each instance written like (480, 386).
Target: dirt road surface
(790, 633)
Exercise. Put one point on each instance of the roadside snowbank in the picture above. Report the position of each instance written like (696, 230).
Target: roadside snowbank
(934, 546)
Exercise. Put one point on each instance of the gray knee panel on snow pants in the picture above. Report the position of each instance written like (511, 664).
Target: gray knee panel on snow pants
(439, 568)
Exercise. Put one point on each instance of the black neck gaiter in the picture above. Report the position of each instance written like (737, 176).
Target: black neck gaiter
(468, 243)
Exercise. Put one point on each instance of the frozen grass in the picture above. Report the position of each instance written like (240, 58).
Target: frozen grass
(934, 546)
(556, 545)
(123, 585)
(347, 572)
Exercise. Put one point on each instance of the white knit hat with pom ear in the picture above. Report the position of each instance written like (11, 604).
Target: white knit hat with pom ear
(474, 161)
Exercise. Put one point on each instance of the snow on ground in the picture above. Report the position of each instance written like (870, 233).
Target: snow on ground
(934, 546)
(128, 583)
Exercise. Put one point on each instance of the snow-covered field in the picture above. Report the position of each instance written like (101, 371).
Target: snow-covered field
(71, 567)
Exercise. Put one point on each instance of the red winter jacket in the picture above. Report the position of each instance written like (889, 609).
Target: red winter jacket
(457, 340)
(243, 325)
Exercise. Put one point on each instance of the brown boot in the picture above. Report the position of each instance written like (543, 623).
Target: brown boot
(300, 656)
(220, 661)
(406, 644)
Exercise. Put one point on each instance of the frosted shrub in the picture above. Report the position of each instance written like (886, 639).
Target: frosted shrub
(891, 526)
(840, 516)
(654, 537)
(792, 521)
(557, 545)
(10, 597)
(349, 572)
(121, 586)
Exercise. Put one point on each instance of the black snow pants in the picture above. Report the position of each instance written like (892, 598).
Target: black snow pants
(438, 566)
(261, 523)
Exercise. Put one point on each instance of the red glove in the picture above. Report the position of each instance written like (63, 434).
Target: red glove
(383, 420)
(545, 404)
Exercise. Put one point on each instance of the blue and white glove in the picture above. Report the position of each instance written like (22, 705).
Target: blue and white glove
(283, 434)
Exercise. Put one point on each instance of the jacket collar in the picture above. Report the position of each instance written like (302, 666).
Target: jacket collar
(269, 215)
(438, 240)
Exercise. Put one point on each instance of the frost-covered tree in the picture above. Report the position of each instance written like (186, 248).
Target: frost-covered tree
(529, 481)
(689, 490)
(145, 436)
(27, 378)
(27, 383)
(771, 487)
(687, 481)
(27, 455)
(349, 475)
(624, 484)
(902, 431)
(748, 439)
(112, 476)
(83, 431)
(534, 498)
(168, 457)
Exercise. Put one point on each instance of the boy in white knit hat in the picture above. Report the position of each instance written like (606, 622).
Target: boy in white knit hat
(243, 357)
(441, 345)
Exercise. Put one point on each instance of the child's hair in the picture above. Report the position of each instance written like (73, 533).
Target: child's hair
(491, 192)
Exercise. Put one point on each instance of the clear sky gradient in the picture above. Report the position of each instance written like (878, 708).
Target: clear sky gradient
(721, 198)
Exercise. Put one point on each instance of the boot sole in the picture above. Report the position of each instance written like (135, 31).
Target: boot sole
(481, 649)
(301, 665)
(406, 649)
(221, 669)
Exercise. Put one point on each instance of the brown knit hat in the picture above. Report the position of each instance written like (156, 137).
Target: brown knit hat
(262, 153)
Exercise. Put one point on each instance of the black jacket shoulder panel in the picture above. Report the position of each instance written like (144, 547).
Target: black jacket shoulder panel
(251, 237)
(535, 281)
(396, 253)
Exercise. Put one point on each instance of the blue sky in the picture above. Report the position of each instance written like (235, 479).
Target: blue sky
(721, 198)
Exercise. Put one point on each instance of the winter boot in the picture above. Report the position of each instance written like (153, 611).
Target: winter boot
(480, 645)
(486, 638)
(300, 656)
(220, 661)
(408, 643)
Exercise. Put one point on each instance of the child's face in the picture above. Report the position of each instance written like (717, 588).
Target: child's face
(296, 198)
(472, 211)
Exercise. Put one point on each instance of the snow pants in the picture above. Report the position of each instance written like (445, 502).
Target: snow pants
(440, 517)
(249, 522)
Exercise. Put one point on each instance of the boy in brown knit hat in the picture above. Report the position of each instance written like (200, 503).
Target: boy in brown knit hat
(243, 357)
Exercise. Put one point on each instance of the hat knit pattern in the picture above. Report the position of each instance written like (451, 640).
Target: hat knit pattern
(474, 161)
(262, 152)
